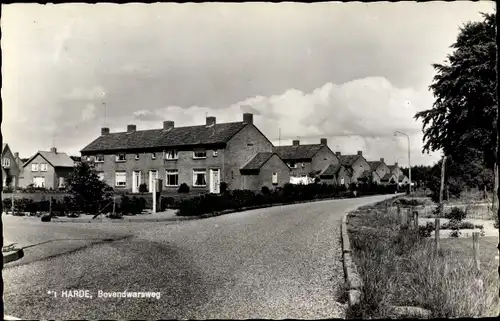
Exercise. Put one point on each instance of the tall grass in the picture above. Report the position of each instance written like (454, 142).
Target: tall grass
(398, 268)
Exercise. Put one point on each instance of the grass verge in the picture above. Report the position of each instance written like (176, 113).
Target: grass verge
(398, 268)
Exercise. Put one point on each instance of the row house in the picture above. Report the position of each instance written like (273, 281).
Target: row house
(356, 165)
(307, 161)
(11, 166)
(201, 156)
(396, 172)
(47, 169)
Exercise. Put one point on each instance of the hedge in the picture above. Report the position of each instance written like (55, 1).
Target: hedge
(237, 199)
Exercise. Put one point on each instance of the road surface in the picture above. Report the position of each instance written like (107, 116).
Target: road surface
(276, 263)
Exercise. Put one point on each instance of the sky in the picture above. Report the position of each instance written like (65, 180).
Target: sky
(353, 73)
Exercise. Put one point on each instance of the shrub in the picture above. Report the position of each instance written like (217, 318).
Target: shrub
(223, 187)
(455, 214)
(143, 188)
(183, 188)
(45, 218)
(124, 207)
(167, 202)
(7, 204)
(425, 231)
(265, 190)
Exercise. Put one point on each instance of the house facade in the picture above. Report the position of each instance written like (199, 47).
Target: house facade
(47, 169)
(307, 161)
(10, 166)
(356, 164)
(201, 156)
(337, 175)
(380, 169)
(402, 179)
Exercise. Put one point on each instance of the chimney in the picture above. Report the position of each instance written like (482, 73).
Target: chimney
(382, 160)
(360, 153)
(131, 128)
(296, 142)
(323, 141)
(210, 121)
(337, 153)
(396, 164)
(248, 118)
(104, 131)
(16, 155)
(168, 124)
(53, 150)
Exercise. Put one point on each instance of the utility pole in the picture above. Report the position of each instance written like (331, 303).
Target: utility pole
(409, 159)
(441, 206)
(154, 195)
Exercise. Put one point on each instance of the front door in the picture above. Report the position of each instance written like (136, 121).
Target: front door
(136, 181)
(215, 181)
(153, 175)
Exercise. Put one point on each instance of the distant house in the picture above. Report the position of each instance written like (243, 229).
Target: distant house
(307, 161)
(337, 174)
(356, 165)
(201, 156)
(401, 178)
(10, 166)
(48, 169)
(379, 170)
(389, 178)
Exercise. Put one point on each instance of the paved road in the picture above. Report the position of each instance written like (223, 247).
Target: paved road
(279, 262)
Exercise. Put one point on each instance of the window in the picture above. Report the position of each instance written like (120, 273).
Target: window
(200, 154)
(121, 157)
(215, 153)
(39, 181)
(43, 167)
(101, 176)
(99, 159)
(61, 181)
(137, 156)
(171, 154)
(153, 155)
(6, 162)
(292, 165)
(34, 167)
(199, 177)
(121, 179)
(303, 165)
(171, 177)
(275, 178)
(249, 144)
(342, 181)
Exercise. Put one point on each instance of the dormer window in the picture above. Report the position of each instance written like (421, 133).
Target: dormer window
(171, 154)
(200, 154)
(292, 165)
(121, 157)
(99, 159)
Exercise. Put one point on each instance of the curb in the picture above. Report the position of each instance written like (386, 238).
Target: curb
(353, 279)
(128, 220)
(12, 256)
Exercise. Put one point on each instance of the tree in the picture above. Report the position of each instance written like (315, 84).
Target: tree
(87, 190)
(462, 121)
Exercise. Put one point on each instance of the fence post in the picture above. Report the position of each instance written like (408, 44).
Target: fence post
(475, 249)
(114, 204)
(415, 219)
(437, 222)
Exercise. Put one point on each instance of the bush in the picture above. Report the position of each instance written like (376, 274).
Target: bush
(425, 231)
(183, 188)
(223, 187)
(45, 218)
(143, 188)
(455, 214)
(265, 190)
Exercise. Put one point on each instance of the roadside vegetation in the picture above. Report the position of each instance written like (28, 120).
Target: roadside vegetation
(398, 268)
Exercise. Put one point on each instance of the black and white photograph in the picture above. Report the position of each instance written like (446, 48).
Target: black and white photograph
(257, 160)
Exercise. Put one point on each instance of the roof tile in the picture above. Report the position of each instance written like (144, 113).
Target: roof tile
(298, 152)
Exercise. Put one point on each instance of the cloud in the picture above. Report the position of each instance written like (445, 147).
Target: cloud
(145, 115)
(88, 113)
(93, 93)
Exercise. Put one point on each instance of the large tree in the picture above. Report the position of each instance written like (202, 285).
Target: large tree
(462, 121)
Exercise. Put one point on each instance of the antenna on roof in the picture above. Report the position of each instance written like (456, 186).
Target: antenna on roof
(105, 120)
(279, 137)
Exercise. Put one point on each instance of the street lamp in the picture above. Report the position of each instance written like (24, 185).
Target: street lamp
(409, 160)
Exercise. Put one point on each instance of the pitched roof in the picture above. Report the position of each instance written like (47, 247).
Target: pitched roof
(76, 158)
(331, 169)
(55, 159)
(348, 160)
(3, 146)
(387, 177)
(298, 152)
(258, 161)
(402, 177)
(392, 167)
(177, 136)
(374, 164)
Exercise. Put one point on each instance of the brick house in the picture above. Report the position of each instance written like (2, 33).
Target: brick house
(48, 169)
(202, 156)
(355, 164)
(379, 169)
(307, 161)
(10, 165)
(402, 179)
(337, 174)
